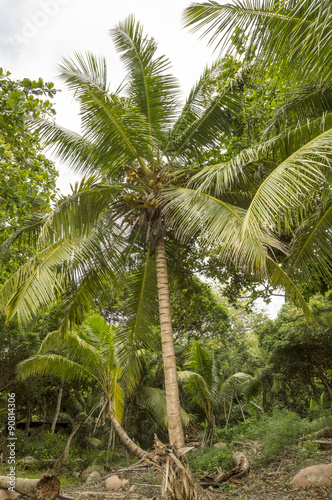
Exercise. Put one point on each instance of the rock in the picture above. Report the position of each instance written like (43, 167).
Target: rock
(28, 460)
(132, 488)
(93, 476)
(115, 483)
(92, 468)
(76, 474)
(8, 495)
(220, 446)
(316, 475)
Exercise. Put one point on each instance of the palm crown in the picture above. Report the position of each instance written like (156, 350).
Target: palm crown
(139, 152)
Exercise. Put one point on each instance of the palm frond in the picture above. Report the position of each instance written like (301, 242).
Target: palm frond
(219, 226)
(53, 365)
(196, 389)
(35, 285)
(201, 122)
(280, 278)
(114, 126)
(76, 215)
(152, 90)
(302, 28)
(140, 329)
(200, 360)
(311, 246)
(307, 103)
(89, 68)
(284, 196)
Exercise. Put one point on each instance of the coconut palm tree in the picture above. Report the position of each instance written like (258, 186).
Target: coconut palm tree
(139, 151)
(295, 197)
(90, 352)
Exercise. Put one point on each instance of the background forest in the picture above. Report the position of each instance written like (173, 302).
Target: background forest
(214, 205)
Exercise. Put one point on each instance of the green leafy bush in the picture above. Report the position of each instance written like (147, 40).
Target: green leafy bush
(46, 446)
(208, 460)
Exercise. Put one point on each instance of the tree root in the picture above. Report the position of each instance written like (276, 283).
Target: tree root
(178, 481)
(241, 469)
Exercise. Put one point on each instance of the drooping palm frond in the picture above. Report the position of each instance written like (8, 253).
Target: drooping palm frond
(280, 278)
(286, 193)
(310, 248)
(200, 360)
(35, 285)
(196, 389)
(53, 365)
(300, 27)
(154, 400)
(152, 90)
(139, 331)
(200, 123)
(305, 104)
(76, 215)
(219, 226)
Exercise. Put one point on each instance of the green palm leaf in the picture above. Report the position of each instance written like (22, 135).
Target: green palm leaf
(152, 90)
(200, 124)
(139, 332)
(300, 27)
(313, 239)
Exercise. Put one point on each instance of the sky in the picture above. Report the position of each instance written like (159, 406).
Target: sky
(36, 34)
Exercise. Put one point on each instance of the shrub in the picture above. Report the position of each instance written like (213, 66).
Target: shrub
(208, 460)
(45, 446)
(279, 431)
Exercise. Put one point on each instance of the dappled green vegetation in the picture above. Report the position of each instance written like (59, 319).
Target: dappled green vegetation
(129, 306)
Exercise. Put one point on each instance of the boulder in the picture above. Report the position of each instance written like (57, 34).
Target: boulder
(28, 460)
(220, 446)
(316, 475)
(93, 476)
(92, 468)
(115, 483)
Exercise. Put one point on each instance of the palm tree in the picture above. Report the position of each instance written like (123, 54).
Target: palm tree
(89, 353)
(295, 197)
(202, 385)
(264, 374)
(139, 150)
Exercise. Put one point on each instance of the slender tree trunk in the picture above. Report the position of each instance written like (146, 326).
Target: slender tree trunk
(57, 410)
(132, 447)
(265, 401)
(175, 429)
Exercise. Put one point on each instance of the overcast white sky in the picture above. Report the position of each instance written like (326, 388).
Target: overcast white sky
(35, 34)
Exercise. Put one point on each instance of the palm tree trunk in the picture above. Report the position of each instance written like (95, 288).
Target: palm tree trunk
(132, 447)
(175, 429)
(57, 410)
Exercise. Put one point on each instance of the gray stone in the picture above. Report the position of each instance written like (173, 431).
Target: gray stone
(220, 446)
(93, 476)
(28, 460)
(90, 469)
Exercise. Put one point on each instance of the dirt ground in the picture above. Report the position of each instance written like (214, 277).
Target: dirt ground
(261, 484)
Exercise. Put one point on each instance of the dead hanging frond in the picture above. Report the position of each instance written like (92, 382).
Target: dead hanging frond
(178, 481)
